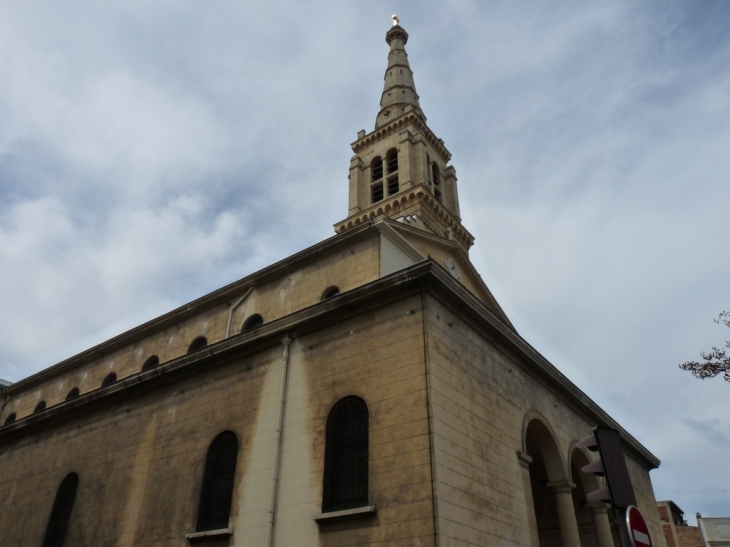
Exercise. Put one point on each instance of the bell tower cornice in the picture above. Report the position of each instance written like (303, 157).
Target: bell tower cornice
(396, 125)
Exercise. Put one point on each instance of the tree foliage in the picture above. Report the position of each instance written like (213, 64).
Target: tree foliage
(715, 361)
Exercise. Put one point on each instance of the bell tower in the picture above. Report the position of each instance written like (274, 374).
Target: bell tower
(401, 169)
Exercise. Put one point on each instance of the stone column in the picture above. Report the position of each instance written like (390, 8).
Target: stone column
(525, 462)
(566, 512)
(604, 538)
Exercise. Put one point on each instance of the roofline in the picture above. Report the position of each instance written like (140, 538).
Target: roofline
(219, 296)
(426, 276)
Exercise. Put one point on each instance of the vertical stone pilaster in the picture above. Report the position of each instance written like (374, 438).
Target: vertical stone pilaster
(357, 186)
(525, 462)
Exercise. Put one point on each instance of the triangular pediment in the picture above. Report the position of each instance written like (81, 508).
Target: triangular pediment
(447, 254)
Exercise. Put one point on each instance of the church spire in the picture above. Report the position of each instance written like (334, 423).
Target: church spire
(401, 169)
(399, 89)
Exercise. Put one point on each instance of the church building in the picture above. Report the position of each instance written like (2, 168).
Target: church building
(368, 390)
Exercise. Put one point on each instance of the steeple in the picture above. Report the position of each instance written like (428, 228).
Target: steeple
(399, 89)
(400, 169)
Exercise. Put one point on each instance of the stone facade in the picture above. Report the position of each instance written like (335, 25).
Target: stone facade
(470, 433)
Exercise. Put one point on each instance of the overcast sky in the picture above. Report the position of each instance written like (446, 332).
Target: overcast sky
(153, 151)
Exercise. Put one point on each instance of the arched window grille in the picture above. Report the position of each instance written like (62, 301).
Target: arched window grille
(346, 456)
(199, 343)
(216, 493)
(330, 292)
(72, 394)
(376, 179)
(61, 512)
(376, 168)
(436, 179)
(151, 362)
(109, 379)
(391, 159)
(252, 322)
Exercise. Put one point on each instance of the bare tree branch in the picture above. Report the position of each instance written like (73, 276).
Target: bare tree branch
(716, 361)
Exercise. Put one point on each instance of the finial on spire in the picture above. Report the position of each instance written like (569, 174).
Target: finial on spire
(395, 19)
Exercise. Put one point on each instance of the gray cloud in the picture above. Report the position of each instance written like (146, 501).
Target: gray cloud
(152, 151)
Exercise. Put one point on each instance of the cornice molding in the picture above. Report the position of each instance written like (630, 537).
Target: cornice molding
(392, 205)
(426, 276)
(218, 297)
(410, 118)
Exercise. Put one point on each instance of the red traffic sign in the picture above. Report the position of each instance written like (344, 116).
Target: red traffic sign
(637, 528)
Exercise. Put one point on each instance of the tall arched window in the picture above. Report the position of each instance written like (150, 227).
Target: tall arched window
(61, 512)
(436, 179)
(216, 493)
(376, 182)
(391, 159)
(346, 456)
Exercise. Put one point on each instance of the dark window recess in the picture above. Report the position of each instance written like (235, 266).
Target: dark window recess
(436, 181)
(330, 292)
(109, 379)
(377, 192)
(393, 186)
(10, 419)
(61, 512)
(40, 406)
(151, 362)
(216, 494)
(252, 322)
(392, 159)
(199, 343)
(72, 394)
(377, 169)
(346, 456)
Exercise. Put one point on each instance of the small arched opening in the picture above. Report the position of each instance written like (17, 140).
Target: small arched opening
(109, 379)
(151, 362)
(329, 292)
(252, 322)
(199, 343)
(40, 406)
(72, 394)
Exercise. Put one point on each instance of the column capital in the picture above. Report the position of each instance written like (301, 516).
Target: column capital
(524, 459)
(563, 485)
(597, 508)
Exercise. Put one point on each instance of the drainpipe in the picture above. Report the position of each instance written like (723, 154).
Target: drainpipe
(233, 308)
(286, 342)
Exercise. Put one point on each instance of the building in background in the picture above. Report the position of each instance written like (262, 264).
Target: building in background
(676, 531)
(715, 531)
(368, 390)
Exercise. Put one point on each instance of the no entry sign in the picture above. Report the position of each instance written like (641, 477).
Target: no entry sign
(637, 528)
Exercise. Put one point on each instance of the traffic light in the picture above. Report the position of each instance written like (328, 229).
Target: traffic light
(611, 465)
